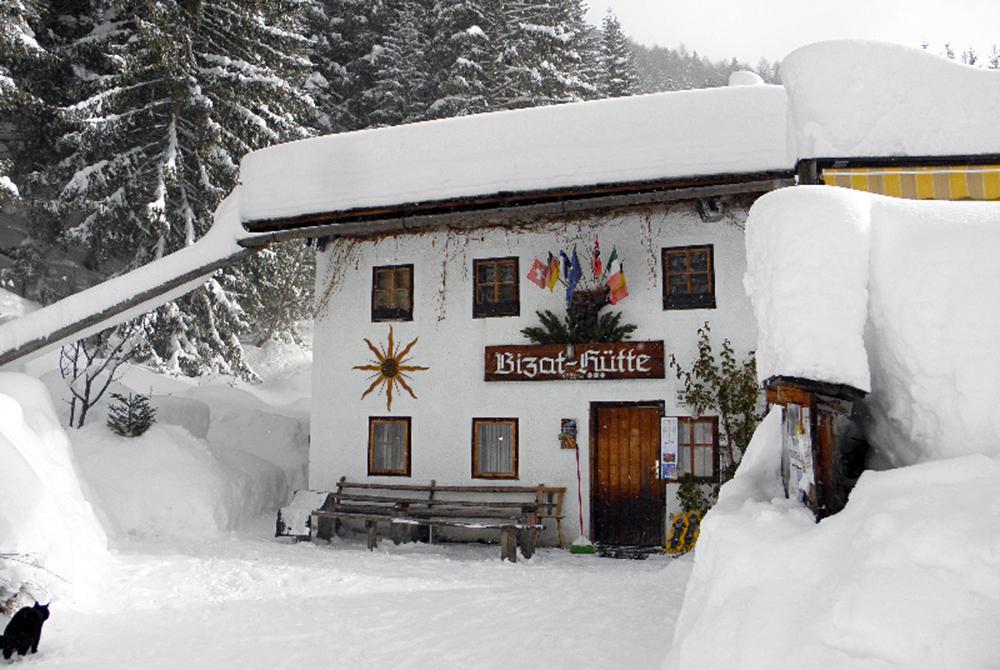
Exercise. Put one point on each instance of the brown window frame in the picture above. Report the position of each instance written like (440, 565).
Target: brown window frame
(405, 472)
(688, 423)
(392, 313)
(688, 300)
(476, 472)
(487, 310)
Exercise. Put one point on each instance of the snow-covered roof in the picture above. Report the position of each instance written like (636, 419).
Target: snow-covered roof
(852, 98)
(721, 131)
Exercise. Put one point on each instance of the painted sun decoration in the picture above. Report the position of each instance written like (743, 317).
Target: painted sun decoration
(390, 368)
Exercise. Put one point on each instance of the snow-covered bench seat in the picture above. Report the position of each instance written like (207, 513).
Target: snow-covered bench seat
(518, 512)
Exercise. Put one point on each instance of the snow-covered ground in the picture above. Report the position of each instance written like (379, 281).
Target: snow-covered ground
(249, 601)
(193, 577)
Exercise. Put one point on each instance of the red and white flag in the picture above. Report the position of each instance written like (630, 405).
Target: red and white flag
(539, 274)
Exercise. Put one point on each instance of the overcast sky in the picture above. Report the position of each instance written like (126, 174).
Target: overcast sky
(749, 29)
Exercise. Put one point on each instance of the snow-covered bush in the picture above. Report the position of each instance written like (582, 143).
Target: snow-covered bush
(130, 416)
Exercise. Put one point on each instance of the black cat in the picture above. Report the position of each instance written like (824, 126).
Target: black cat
(24, 630)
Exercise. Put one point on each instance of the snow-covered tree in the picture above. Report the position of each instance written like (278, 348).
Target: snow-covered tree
(459, 59)
(177, 92)
(346, 39)
(618, 74)
(546, 53)
(401, 93)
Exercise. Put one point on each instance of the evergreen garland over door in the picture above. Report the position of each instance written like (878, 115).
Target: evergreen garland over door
(627, 507)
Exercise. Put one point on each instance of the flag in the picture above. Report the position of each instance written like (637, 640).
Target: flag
(613, 262)
(617, 285)
(573, 276)
(553, 277)
(595, 261)
(539, 274)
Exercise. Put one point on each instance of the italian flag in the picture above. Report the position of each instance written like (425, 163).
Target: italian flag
(617, 286)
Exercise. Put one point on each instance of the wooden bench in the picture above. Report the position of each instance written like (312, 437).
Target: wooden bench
(518, 512)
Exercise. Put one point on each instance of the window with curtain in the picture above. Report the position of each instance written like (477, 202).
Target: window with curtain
(496, 287)
(389, 446)
(392, 293)
(698, 447)
(494, 448)
(688, 277)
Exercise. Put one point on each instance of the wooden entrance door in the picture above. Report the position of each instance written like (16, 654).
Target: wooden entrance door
(626, 493)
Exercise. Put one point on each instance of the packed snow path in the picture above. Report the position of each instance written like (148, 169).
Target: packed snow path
(254, 602)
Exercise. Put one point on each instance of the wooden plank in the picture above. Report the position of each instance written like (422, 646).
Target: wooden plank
(495, 209)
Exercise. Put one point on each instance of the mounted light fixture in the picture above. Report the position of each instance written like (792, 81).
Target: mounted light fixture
(711, 209)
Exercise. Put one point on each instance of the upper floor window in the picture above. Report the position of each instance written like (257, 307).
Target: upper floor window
(392, 293)
(496, 287)
(688, 277)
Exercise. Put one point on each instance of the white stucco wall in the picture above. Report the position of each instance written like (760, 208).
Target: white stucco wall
(451, 343)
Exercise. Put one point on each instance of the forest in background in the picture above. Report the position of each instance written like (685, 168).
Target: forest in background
(122, 123)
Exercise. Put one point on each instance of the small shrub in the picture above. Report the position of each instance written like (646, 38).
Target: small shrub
(130, 416)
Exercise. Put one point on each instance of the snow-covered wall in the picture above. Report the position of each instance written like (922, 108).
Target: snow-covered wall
(452, 343)
(850, 287)
(737, 129)
(854, 98)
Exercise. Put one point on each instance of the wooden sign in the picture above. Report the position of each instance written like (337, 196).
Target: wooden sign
(593, 361)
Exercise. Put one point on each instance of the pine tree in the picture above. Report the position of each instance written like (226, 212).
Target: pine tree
(401, 93)
(546, 53)
(459, 59)
(131, 415)
(618, 72)
(994, 58)
(176, 93)
(346, 38)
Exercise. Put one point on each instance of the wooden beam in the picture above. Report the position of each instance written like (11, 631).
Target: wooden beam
(71, 329)
(325, 225)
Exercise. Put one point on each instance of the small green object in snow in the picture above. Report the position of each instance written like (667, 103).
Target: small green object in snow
(581, 545)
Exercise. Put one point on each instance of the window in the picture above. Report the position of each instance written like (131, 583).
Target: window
(392, 293)
(494, 448)
(389, 445)
(688, 277)
(496, 287)
(698, 446)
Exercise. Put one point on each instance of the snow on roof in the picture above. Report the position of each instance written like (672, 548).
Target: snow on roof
(896, 296)
(856, 99)
(719, 131)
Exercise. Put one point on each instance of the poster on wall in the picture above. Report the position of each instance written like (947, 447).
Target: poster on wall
(668, 448)
(797, 440)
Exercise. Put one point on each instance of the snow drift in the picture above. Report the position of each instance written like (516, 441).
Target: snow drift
(905, 577)
(845, 283)
(852, 98)
(45, 519)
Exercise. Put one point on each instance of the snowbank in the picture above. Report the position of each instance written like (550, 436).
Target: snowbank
(888, 295)
(855, 98)
(168, 483)
(905, 577)
(659, 136)
(13, 306)
(44, 516)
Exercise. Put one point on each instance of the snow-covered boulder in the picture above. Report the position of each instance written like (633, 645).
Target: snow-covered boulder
(44, 514)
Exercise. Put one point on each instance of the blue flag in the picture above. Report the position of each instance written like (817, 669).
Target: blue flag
(573, 276)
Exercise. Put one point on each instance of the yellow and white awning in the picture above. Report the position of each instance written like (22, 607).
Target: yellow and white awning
(943, 182)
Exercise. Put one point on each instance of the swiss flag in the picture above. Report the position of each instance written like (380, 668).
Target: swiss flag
(538, 274)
